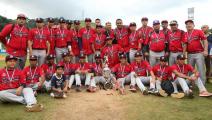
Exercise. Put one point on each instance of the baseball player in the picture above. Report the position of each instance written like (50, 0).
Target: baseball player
(49, 70)
(86, 34)
(98, 21)
(39, 41)
(121, 36)
(51, 30)
(163, 73)
(13, 86)
(62, 40)
(17, 44)
(122, 71)
(109, 32)
(69, 24)
(83, 72)
(112, 52)
(135, 41)
(181, 70)
(59, 83)
(165, 29)
(69, 68)
(75, 41)
(34, 74)
(197, 48)
(99, 40)
(139, 75)
(156, 43)
(99, 78)
(176, 42)
(144, 31)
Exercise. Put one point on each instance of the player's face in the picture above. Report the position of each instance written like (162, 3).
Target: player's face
(76, 26)
(87, 24)
(144, 22)
(181, 61)
(205, 29)
(68, 26)
(123, 60)
(98, 60)
(11, 63)
(162, 63)
(67, 59)
(98, 30)
(108, 26)
(51, 61)
(59, 71)
(174, 27)
(109, 42)
(50, 24)
(133, 28)
(119, 23)
(138, 59)
(165, 25)
(21, 21)
(62, 25)
(156, 27)
(39, 24)
(33, 63)
(98, 22)
(190, 26)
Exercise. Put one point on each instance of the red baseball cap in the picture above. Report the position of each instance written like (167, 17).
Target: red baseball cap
(144, 19)
(164, 21)
(87, 20)
(132, 24)
(187, 21)
(21, 16)
(10, 57)
(76, 22)
(33, 57)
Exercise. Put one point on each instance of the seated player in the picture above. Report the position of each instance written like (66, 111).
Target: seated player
(13, 86)
(59, 83)
(181, 71)
(140, 69)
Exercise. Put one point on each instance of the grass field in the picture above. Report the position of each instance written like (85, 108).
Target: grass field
(99, 106)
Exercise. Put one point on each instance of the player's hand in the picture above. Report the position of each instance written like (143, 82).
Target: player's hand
(59, 90)
(65, 89)
(18, 91)
(39, 86)
(205, 53)
(146, 54)
(194, 78)
(167, 54)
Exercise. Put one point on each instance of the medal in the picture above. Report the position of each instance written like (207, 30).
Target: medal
(189, 37)
(40, 34)
(8, 76)
(32, 75)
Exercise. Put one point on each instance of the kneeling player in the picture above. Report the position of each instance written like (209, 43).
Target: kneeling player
(12, 86)
(59, 83)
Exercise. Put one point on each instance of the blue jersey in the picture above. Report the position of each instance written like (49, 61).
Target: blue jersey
(58, 82)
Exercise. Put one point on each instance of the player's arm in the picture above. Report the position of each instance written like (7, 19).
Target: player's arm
(42, 79)
(181, 75)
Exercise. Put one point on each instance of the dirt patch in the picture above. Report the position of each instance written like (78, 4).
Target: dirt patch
(90, 106)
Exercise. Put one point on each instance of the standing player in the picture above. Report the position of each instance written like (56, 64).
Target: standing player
(165, 29)
(69, 24)
(109, 32)
(86, 34)
(99, 40)
(121, 36)
(156, 42)
(176, 42)
(197, 48)
(62, 40)
(111, 51)
(134, 41)
(39, 41)
(12, 86)
(17, 44)
(144, 31)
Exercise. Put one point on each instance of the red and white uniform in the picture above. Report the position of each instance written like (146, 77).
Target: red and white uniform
(74, 42)
(185, 68)
(134, 40)
(32, 75)
(141, 68)
(99, 41)
(48, 70)
(87, 36)
(121, 35)
(69, 68)
(164, 72)
(39, 37)
(113, 54)
(11, 79)
(17, 45)
(157, 42)
(51, 39)
(176, 40)
(121, 71)
(62, 38)
(97, 69)
(193, 41)
(84, 66)
(144, 32)
(166, 33)
(110, 33)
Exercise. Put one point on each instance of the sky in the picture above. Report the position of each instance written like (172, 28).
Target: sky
(110, 10)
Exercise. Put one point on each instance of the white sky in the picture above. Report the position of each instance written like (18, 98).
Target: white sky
(110, 10)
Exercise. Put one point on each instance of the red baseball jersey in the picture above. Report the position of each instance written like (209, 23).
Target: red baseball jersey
(99, 41)
(165, 72)
(176, 40)
(185, 68)
(121, 35)
(48, 70)
(113, 54)
(141, 68)
(157, 41)
(110, 33)
(166, 32)
(121, 71)
(17, 44)
(134, 40)
(144, 32)
(39, 37)
(84, 66)
(11, 79)
(193, 41)
(62, 38)
(87, 40)
(69, 68)
(74, 42)
(32, 75)
(51, 39)
(97, 69)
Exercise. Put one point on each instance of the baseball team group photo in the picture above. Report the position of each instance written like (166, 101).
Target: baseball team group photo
(94, 68)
